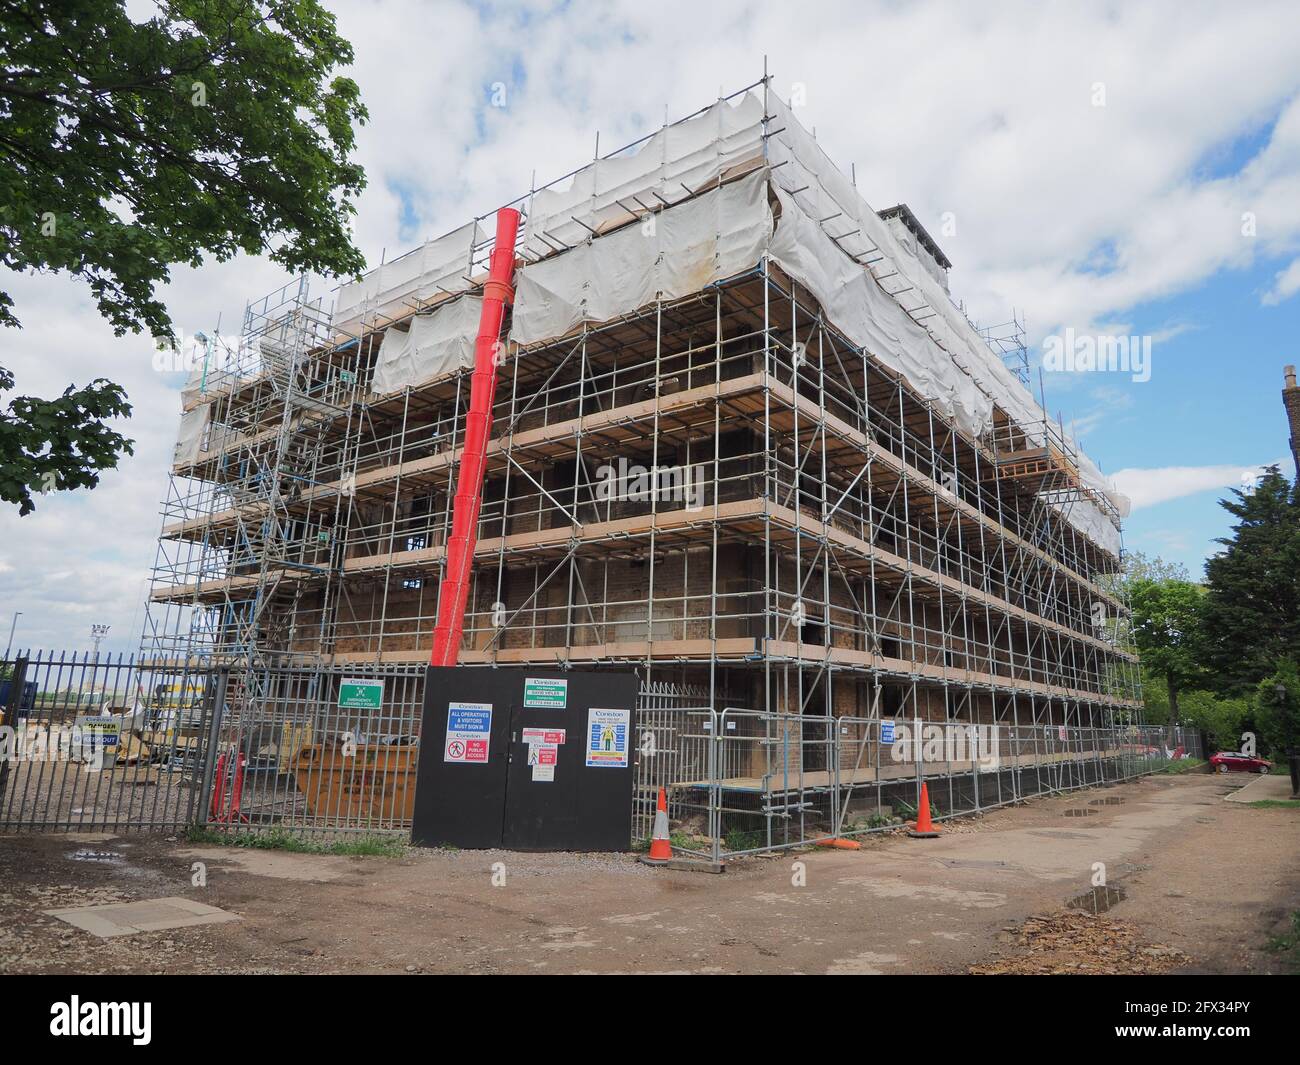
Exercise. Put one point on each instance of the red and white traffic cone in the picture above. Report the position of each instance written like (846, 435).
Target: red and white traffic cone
(661, 850)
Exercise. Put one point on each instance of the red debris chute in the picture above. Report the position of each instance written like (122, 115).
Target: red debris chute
(453, 593)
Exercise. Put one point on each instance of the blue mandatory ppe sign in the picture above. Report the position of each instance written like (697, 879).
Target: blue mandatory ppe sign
(607, 737)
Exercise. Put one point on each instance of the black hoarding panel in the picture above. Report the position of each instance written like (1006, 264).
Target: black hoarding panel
(583, 802)
(527, 759)
(461, 774)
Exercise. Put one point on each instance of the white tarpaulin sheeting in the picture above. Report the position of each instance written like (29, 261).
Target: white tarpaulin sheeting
(199, 436)
(679, 160)
(825, 192)
(189, 441)
(671, 254)
(391, 290)
(723, 233)
(435, 344)
(870, 318)
(683, 248)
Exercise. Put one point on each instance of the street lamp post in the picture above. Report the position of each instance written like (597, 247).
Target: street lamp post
(14, 625)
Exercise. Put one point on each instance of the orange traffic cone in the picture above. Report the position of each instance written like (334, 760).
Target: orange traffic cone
(661, 851)
(924, 826)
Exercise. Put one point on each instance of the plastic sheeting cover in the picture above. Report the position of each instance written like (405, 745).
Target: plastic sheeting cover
(189, 441)
(199, 435)
(675, 162)
(435, 344)
(826, 192)
(872, 319)
(391, 289)
(670, 254)
(724, 232)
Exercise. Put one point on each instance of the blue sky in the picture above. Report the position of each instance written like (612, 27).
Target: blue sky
(1213, 399)
(1122, 216)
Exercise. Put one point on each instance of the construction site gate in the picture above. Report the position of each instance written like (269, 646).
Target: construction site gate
(91, 743)
(526, 759)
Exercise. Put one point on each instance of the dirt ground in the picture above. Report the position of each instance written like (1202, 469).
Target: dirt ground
(1204, 883)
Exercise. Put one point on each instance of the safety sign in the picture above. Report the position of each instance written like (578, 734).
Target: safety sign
(102, 732)
(543, 694)
(543, 735)
(886, 732)
(542, 757)
(359, 694)
(607, 737)
(543, 751)
(469, 730)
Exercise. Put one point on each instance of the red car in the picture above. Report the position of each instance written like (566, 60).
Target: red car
(1235, 762)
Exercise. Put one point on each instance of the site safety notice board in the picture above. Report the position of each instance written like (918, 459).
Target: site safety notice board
(526, 759)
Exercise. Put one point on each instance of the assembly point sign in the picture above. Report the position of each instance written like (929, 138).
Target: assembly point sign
(357, 694)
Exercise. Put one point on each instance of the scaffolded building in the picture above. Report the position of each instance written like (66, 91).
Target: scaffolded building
(743, 441)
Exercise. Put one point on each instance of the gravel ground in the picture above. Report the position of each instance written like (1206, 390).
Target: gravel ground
(1204, 884)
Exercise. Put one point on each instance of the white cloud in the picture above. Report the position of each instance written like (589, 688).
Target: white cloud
(1071, 213)
(1148, 487)
(1285, 285)
(1173, 329)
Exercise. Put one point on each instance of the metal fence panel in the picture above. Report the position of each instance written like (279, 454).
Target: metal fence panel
(114, 744)
(97, 743)
(742, 781)
(317, 750)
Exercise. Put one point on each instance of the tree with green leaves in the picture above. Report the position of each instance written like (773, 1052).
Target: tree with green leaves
(212, 128)
(1140, 567)
(1166, 629)
(1277, 708)
(1251, 617)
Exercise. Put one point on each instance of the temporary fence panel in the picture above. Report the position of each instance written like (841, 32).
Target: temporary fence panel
(742, 781)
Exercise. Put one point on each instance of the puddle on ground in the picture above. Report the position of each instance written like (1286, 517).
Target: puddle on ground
(86, 855)
(1050, 833)
(1098, 900)
(972, 863)
(1109, 800)
(1080, 812)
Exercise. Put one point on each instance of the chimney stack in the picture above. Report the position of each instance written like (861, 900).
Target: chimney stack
(1291, 400)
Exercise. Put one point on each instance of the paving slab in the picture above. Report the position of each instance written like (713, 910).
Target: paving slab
(148, 915)
(1263, 787)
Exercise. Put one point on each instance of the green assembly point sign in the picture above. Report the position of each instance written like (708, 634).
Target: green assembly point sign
(541, 694)
(357, 694)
